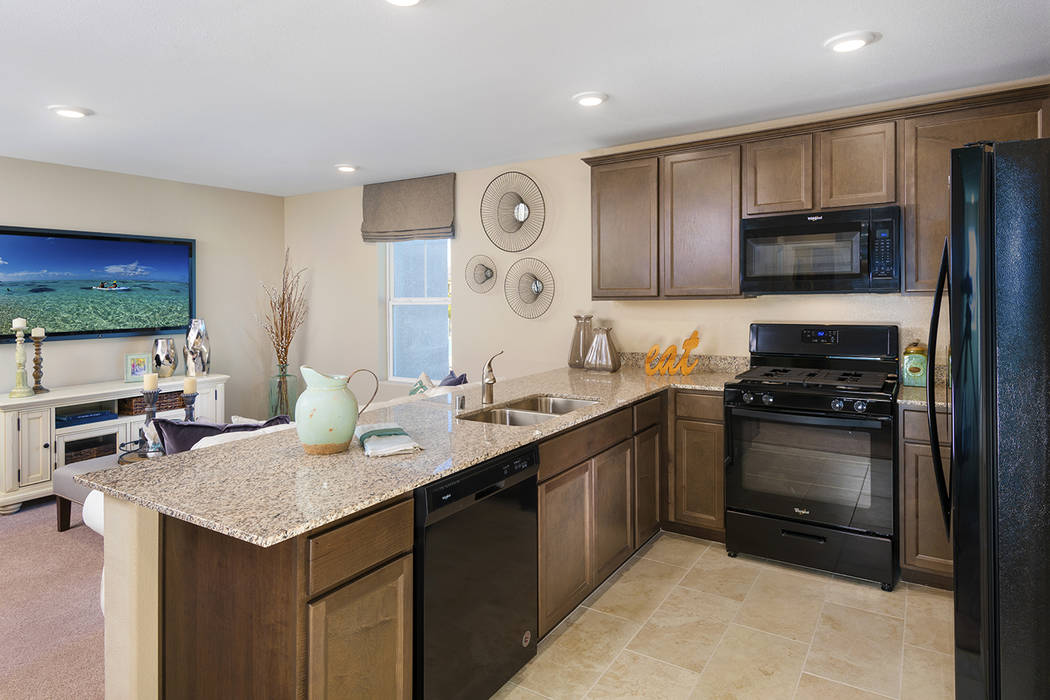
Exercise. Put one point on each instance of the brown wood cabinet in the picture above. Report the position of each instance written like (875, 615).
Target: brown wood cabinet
(566, 544)
(700, 223)
(698, 481)
(857, 165)
(648, 452)
(778, 175)
(360, 637)
(624, 235)
(928, 141)
(613, 481)
(925, 548)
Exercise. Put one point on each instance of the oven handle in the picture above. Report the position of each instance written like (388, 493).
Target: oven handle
(797, 419)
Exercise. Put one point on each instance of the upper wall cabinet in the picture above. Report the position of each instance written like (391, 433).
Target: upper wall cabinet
(928, 141)
(700, 222)
(857, 165)
(624, 249)
(778, 175)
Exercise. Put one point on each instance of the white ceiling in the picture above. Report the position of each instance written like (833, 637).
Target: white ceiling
(266, 95)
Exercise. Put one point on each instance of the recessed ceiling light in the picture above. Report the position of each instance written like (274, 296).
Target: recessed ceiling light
(851, 41)
(70, 111)
(345, 168)
(589, 99)
(404, 3)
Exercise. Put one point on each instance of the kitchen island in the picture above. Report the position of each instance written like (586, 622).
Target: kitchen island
(225, 565)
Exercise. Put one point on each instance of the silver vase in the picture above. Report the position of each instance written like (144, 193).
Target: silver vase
(603, 355)
(582, 336)
(197, 352)
(165, 360)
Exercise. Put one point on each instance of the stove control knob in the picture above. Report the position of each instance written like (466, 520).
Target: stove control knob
(860, 406)
(748, 397)
(837, 404)
(767, 399)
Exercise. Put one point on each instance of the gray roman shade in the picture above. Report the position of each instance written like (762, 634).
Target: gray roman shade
(407, 210)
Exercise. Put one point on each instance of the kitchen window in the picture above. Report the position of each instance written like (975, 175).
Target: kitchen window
(418, 309)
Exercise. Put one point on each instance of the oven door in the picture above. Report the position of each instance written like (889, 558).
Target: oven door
(817, 257)
(838, 471)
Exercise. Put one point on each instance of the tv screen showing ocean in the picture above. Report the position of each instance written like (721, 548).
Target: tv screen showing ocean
(93, 285)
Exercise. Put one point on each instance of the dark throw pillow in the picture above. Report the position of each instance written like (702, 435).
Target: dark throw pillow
(453, 380)
(180, 435)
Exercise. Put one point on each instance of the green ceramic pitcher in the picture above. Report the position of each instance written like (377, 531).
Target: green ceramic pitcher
(326, 413)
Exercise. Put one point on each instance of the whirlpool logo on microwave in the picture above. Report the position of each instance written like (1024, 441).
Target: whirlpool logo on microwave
(802, 511)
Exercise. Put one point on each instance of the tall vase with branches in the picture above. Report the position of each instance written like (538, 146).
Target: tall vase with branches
(287, 313)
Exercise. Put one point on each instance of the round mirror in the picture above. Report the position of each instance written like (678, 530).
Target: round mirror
(521, 212)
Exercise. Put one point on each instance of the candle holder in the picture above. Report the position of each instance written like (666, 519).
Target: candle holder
(38, 367)
(153, 449)
(188, 400)
(22, 389)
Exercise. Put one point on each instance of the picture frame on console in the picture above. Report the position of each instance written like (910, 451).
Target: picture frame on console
(136, 364)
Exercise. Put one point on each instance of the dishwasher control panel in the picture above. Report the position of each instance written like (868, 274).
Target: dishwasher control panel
(479, 481)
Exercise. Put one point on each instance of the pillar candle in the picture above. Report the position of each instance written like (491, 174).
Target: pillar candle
(149, 382)
(19, 324)
(38, 332)
(189, 385)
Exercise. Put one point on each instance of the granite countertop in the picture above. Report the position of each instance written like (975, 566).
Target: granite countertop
(914, 397)
(266, 490)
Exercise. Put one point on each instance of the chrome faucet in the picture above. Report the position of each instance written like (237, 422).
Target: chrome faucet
(488, 380)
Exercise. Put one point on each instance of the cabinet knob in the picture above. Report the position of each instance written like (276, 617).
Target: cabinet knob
(47, 445)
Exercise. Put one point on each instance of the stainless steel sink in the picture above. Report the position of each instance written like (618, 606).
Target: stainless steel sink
(549, 404)
(507, 416)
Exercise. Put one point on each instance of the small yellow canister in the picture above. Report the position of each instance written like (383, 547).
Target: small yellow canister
(913, 367)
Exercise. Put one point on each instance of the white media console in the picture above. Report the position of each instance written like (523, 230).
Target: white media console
(33, 445)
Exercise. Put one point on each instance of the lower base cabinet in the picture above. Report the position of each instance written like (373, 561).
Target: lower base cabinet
(613, 478)
(360, 637)
(648, 452)
(698, 480)
(926, 550)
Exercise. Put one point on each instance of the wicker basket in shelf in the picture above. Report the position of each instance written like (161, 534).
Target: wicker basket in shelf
(109, 448)
(136, 405)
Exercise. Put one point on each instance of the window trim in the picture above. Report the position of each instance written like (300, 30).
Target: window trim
(392, 301)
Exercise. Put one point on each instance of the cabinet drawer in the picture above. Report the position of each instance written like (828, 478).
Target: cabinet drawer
(702, 406)
(917, 427)
(571, 448)
(340, 554)
(648, 413)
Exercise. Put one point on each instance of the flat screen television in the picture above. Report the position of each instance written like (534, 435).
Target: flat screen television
(78, 284)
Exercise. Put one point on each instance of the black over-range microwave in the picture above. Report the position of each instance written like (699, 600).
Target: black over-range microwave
(855, 250)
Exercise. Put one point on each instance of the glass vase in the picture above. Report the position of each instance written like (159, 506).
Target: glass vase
(582, 335)
(284, 390)
(603, 355)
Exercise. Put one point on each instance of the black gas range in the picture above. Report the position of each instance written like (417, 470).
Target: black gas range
(811, 445)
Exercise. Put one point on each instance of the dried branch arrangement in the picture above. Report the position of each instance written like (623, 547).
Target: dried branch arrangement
(288, 309)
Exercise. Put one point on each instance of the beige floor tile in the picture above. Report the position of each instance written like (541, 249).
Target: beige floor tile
(930, 619)
(515, 692)
(812, 687)
(783, 603)
(635, 676)
(677, 550)
(716, 572)
(637, 589)
(575, 655)
(686, 628)
(928, 675)
(751, 664)
(858, 648)
(867, 595)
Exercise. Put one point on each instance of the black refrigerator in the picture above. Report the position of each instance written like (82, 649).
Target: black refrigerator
(996, 500)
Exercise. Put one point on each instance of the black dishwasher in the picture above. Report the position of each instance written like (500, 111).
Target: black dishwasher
(475, 578)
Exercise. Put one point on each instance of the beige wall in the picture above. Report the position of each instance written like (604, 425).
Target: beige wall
(239, 243)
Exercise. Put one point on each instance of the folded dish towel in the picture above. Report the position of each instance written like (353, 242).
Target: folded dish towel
(384, 439)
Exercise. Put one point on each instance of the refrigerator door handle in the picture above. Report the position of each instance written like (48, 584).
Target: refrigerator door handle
(931, 405)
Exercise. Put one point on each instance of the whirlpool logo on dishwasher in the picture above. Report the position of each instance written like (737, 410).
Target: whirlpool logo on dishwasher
(802, 511)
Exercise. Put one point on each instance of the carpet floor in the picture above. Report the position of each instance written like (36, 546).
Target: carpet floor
(50, 621)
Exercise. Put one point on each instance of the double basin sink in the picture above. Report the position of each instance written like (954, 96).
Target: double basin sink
(528, 410)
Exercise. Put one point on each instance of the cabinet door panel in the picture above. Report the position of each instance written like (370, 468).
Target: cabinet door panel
(928, 142)
(925, 543)
(778, 175)
(360, 637)
(566, 552)
(700, 222)
(613, 481)
(34, 447)
(647, 455)
(858, 165)
(624, 248)
(699, 474)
